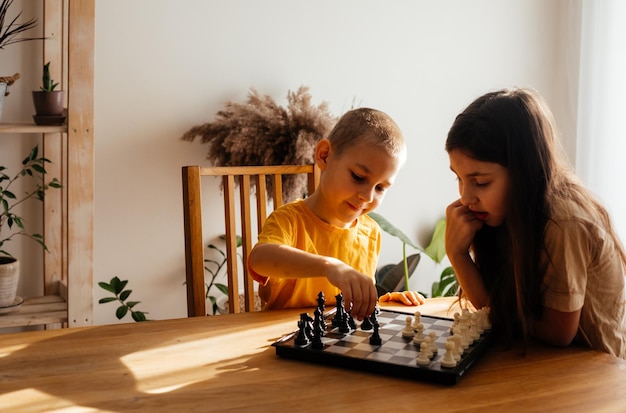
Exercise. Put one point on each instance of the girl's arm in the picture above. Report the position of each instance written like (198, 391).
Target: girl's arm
(281, 261)
(556, 327)
(461, 227)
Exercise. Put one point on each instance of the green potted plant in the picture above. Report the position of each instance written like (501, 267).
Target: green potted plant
(48, 101)
(12, 225)
(436, 251)
(10, 29)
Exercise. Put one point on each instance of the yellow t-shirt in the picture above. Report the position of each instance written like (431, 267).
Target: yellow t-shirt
(585, 272)
(295, 225)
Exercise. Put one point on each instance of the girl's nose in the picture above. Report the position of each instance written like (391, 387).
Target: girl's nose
(467, 197)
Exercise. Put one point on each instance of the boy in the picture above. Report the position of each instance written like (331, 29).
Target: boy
(326, 242)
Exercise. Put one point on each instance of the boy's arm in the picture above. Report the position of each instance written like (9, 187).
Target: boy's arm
(281, 261)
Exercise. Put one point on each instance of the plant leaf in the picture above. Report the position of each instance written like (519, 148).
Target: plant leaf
(121, 312)
(391, 230)
(436, 249)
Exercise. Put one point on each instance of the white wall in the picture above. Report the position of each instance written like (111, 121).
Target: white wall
(163, 66)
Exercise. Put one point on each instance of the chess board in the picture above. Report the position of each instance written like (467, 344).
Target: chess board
(396, 356)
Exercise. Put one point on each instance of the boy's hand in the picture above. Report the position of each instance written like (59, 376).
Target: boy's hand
(404, 297)
(358, 290)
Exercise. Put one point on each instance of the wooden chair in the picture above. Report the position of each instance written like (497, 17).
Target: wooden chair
(245, 177)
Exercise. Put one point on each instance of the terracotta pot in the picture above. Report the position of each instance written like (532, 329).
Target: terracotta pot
(9, 279)
(48, 103)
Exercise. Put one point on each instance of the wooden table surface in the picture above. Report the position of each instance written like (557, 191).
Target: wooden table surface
(226, 363)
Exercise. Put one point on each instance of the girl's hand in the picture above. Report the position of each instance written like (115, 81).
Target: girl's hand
(461, 227)
(404, 297)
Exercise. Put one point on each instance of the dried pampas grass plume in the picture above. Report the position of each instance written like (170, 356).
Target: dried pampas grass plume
(260, 132)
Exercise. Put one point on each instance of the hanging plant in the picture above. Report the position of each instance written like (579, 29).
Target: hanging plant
(261, 132)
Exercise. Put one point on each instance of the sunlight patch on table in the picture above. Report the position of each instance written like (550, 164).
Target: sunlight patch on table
(31, 400)
(7, 351)
(196, 361)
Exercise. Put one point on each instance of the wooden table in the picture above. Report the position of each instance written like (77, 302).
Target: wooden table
(226, 363)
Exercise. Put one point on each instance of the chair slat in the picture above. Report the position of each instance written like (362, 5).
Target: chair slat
(245, 176)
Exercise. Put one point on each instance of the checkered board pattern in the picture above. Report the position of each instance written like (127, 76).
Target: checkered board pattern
(395, 356)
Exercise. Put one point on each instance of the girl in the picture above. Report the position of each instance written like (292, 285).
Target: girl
(526, 238)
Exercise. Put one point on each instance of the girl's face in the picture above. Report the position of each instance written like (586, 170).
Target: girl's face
(483, 186)
(353, 183)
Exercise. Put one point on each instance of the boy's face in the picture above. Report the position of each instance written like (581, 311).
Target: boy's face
(353, 183)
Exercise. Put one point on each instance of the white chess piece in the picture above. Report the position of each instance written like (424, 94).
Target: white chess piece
(422, 358)
(458, 347)
(474, 327)
(433, 342)
(419, 334)
(448, 359)
(408, 331)
(417, 319)
(429, 350)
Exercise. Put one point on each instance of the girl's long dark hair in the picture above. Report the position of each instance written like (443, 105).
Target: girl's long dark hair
(515, 129)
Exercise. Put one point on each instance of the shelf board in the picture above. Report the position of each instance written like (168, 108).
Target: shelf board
(47, 309)
(25, 127)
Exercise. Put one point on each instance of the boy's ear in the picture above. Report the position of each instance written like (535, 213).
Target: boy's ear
(322, 151)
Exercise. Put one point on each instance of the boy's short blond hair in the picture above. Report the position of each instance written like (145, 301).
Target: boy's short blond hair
(367, 126)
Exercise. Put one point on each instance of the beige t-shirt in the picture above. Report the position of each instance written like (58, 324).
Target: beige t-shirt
(296, 225)
(586, 273)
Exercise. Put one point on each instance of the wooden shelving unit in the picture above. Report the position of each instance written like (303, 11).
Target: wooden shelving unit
(68, 213)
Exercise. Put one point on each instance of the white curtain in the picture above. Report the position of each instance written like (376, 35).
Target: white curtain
(601, 130)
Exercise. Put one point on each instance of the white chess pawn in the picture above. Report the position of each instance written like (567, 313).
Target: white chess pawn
(458, 348)
(474, 327)
(408, 331)
(486, 321)
(417, 319)
(433, 342)
(448, 359)
(455, 323)
(419, 334)
(459, 332)
(428, 349)
(423, 359)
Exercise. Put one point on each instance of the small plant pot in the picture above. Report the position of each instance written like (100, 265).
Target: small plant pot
(9, 279)
(49, 107)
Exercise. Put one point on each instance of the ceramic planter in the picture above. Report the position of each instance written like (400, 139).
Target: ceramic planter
(49, 107)
(9, 279)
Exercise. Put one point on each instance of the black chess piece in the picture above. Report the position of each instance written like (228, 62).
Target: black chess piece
(316, 341)
(340, 310)
(321, 301)
(366, 325)
(344, 327)
(351, 322)
(301, 339)
(308, 324)
(375, 337)
(319, 322)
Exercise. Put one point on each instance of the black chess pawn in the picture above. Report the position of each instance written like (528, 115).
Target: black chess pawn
(301, 339)
(316, 341)
(375, 337)
(366, 325)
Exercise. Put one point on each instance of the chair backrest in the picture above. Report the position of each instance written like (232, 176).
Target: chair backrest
(246, 177)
